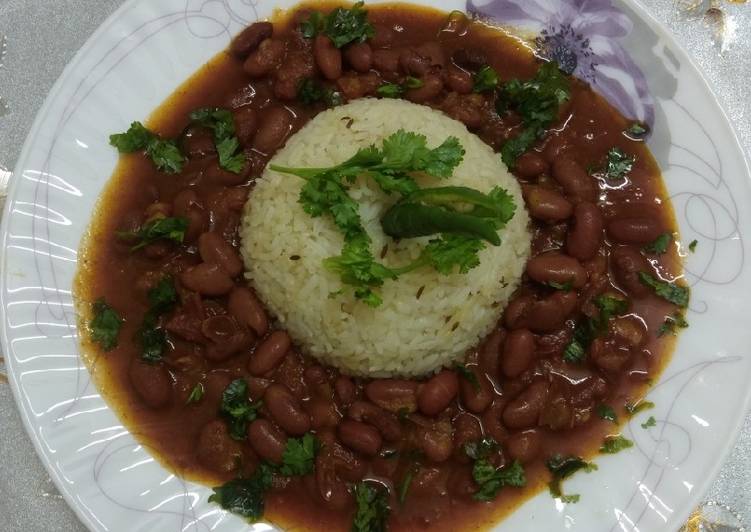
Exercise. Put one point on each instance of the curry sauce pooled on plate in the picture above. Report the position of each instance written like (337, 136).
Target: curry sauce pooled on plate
(380, 267)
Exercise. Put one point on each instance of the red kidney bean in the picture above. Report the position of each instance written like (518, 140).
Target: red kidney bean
(246, 124)
(488, 356)
(360, 437)
(524, 446)
(266, 440)
(245, 307)
(546, 204)
(476, 398)
(156, 211)
(433, 50)
(386, 422)
(359, 55)
(276, 125)
(492, 420)
(152, 383)
(187, 205)
(393, 395)
(328, 57)
(634, 230)
(574, 179)
(437, 393)
(549, 314)
(269, 353)
(554, 267)
(466, 108)
(197, 142)
(207, 279)
(249, 39)
(323, 414)
(215, 174)
(216, 450)
(459, 80)
(609, 356)
(334, 493)
(256, 387)
(530, 164)
(515, 315)
(386, 60)
(518, 352)
(345, 390)
(286, 411)
(436, 440)
(354, 86)
(232, 344)
(466, 429)
(294, 70)
(626, 263)
(432, 86)
(629, 330)
(382, 37)
(265, 58)
(290, 373)
(215, 250)
(414, 63)
(585, 236)
(524, 410)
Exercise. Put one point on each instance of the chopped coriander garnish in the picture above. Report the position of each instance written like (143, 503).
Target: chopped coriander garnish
(486, 79)
(671, 323)
(372, 508)
(310, 92)
(491, 479)
(164, 153)
(222, 123)
(105, 325)
(162, 297)
(672, 292)
(692, 246)
(570, 499)
(244, 497)
(482, 448)
(565, 287)
(607, 413)
(342, 25)
(390, 90)
(660, 244)
(153, 338)
(637, 131)
(588, 329)
(650, 422)
(196, 394)
(537, 101)
(411, 82)
(618, 164)
(468, 375)
(635, 408)
(615, 444)
(563, 467)
(300, 455)
(158, 229)
(238, 409)
(404, 485)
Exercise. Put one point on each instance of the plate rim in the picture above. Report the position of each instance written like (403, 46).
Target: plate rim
(639, 8)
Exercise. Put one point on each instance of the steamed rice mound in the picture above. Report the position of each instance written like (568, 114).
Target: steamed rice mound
(427, 320)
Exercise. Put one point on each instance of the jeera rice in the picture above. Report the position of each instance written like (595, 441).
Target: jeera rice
(427, 319)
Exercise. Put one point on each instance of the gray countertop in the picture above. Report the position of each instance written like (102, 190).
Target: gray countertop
(41, 36)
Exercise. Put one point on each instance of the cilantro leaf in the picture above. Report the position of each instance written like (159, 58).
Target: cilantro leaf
(486, 79)
(450, 252)
(565, 287)
(588, 329)
(238, 409)
(342, 25)
(671, 323)
(196, 394)
(411, 82)
(105, 325)
(618, 164)
(562, 467)
(404, 485)
(570, 499)
(477, 450)
(163, 296)
(491, 479)
(692, 246)
(637, 131)
(152, 338)
(537, 101)
(635, 408)
(164, 153)
(468, 375)
(372, 508)
(441, 161)
(607, 413)
(310, 92)
(157, 229)
(390, 90)
(660, 244)
(222, 123)
(672, 292)
(244, 497)
(650, 422)
(615, 444)
(299, 456)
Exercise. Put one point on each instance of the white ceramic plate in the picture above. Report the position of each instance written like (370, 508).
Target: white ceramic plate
(147, 48)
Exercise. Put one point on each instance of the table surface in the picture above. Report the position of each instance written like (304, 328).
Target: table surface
(39, 37)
